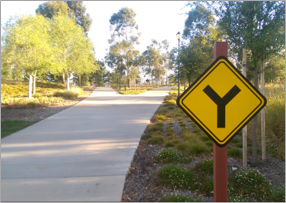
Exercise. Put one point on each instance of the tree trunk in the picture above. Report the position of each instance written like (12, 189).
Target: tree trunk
(30, 87)
(79, 80)
(120, 81)
(68, 82)
(64, 81)
(34, 84)
(254, 139)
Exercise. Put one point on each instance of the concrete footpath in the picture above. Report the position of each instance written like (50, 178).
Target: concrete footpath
(80, 154)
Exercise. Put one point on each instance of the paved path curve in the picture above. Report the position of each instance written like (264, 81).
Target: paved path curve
(80, 154)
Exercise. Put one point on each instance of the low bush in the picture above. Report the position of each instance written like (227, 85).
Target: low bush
(277, 194)
(172, 156)
(205, 167)
(170, 131)
(234, 152)
(146, 136)
(157, 127)
(250, 184)
(179, 198)
(162, 111)
(156, 139)
(66, 95)
(176, 177)
(170, 115)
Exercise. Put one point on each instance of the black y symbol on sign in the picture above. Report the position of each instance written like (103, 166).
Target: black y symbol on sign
(221, 102)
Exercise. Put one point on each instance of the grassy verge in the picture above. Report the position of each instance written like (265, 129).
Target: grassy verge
(138, 90)
(9, 127)
(14, 94)
(183, 141)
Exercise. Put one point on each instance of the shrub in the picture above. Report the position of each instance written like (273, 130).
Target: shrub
(161, 117)
(172, 156)
(277, 194)
(146, 136)
(66, 95)
(176, 177)
(156, 139)
(157, 127)
(239, 144)
(162, 111)
(170, 115)
(205, 167)
(179, 198)
(170, 131)
(185, 131)
(250, 183)
(234, 152)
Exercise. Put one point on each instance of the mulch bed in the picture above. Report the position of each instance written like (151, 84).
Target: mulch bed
(141, 183)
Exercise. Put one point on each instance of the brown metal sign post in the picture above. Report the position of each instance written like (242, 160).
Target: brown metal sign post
(220, 153)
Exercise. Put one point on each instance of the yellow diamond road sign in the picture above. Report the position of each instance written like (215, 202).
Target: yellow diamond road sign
(221, 101)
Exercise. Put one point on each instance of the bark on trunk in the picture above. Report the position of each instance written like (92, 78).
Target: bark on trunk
(34, 84)
(79, 80)
(254, 137)
(68, 83)
(64, 81)
(30, 87)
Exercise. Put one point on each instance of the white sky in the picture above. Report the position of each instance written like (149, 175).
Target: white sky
(157, 20)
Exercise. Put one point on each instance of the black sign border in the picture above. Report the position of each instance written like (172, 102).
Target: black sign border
(245, 80)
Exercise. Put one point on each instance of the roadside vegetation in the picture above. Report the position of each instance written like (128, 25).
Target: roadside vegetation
(9, 127)
(183, 142)
(14, 94)
(135, 90)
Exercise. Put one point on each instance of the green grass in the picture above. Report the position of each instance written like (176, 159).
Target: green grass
(156, 139)
(9, 127)
(66, 95)
(166, 156)
(277, 194)
(146, 137)
(179, 198)
(191, 144)
(170, 131)
(234, 152)
(157, 127)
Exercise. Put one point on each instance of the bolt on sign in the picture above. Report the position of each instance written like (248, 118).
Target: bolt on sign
(221, 101)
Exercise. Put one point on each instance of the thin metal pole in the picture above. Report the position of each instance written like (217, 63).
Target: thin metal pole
(220, 153)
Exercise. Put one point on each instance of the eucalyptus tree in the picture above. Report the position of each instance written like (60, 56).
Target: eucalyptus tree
(73, 9)
(154, 60)
(73, 48)
(122, 25)
(26, 47)
(258, 26)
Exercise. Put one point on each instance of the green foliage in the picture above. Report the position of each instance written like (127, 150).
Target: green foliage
(9, 127)
(179, 198)
(250, 184)
(239, 145)
(66, 95)
(172, 156)
(235, 140)
(157, 127)
(205, 167)
(234, 152)
(192, 145)
(156, 139)
(176, 177)
(170, 131)
(146, 136)
(277, 194)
